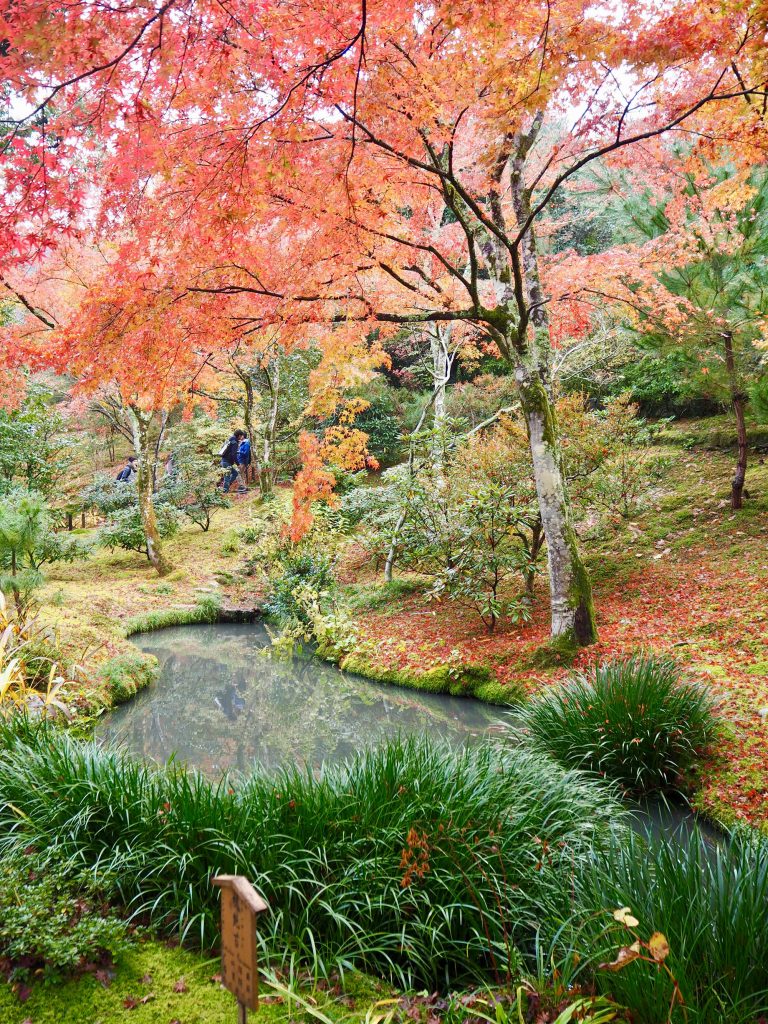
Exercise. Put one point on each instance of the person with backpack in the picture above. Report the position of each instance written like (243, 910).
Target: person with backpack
(243, 463)
(228, 456)
(129, 471)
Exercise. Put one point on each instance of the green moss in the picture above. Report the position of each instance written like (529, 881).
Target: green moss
(560, 650)
(464, 680)
(153, 970)
(126, 674)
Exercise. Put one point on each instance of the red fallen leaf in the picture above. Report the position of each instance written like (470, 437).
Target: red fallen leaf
(129, 1003)
(180, 985)
(147, 979)
(23, 992)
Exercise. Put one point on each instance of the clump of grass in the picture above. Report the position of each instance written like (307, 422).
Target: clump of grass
(125, 674)
(633, 720)
(206, 609)
(709, 904)
(424, 865)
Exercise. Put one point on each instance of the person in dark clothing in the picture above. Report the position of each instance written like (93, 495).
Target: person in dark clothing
(129, 471)
(243, 463)
(229, 459)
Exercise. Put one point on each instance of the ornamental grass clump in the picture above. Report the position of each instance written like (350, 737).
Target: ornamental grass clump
(632, 720)
(416, 862)
(699, 913)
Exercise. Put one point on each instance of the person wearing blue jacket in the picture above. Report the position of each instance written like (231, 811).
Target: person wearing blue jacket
(243, 463)
(229, 459)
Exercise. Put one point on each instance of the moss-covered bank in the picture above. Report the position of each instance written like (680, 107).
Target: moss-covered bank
(458, 680)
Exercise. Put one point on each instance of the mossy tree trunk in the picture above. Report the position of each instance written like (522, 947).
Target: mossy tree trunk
(570, 591)
(267, 468)
(439, 337)
(145, 453)
(738, 401)
(572, 610)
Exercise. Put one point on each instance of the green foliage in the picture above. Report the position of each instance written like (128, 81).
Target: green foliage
(632, 720)
(192, 484)
(758, 396)
(423, 864)
(468, 526)
(27, 542)
(36, 448)
(118, 503)
(660, 384)
(608, 455)
(293, 570)
(709, 903)
(126, 674)
(384, 420)
(51, 917)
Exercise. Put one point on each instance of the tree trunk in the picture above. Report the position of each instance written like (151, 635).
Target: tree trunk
(267, 469)
(158, 445)
(144, 486)
(438, 343)
(248, 417)
(738, 401)
(570, 591)
(569, 587)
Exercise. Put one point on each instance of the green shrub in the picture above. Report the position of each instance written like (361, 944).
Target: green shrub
(126, 674)
(710, 906)
(298, 570)
(52, 919)
(633, 721)
(118, 503)
(413, 861)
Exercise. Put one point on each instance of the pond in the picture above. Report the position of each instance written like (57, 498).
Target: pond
(224, 701)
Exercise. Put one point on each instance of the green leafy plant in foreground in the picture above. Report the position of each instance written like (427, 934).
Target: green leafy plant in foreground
(633, 721)
(689, 928)
(422, 864)
(52, 918)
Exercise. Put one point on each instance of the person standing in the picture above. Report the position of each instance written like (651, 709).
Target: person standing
(243, 463)
(229, 459)
(128, 473)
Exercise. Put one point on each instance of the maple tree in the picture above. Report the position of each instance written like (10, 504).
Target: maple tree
(345, 172)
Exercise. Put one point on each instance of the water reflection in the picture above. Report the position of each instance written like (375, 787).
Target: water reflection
(223, 702)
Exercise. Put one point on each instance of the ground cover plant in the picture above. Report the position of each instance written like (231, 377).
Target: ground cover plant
(425, 865)
(55, 919)
(633, 720)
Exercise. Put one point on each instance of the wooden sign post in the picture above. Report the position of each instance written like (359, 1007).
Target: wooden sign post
(240, 903)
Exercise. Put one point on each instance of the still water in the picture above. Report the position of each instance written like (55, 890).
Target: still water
(224, 701)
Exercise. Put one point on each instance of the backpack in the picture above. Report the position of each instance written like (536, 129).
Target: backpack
(244, 451)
